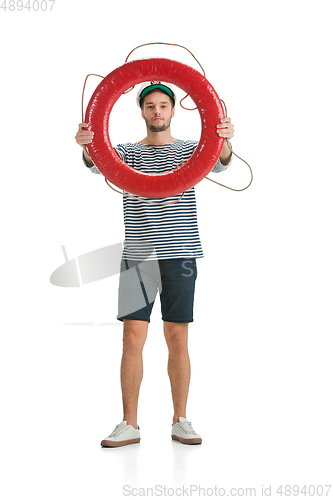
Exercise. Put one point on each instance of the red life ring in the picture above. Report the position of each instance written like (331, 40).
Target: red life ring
(184, 176)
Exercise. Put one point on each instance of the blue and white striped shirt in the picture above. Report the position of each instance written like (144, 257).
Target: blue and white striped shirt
(157, 231)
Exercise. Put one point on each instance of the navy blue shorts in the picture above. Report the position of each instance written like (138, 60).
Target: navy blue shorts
(139, 282)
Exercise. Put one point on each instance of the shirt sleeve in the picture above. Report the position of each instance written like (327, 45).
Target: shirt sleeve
(120, 150)
(219, 167)
(92, 169)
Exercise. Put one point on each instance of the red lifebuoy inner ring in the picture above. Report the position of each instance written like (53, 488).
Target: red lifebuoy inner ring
(182, 177)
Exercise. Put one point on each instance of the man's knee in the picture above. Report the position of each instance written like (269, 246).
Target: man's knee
(134, 335)
(176, 336)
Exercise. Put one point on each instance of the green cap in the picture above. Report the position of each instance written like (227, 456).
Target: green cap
(156, 86)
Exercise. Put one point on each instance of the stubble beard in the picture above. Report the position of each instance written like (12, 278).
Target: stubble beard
(158, 128)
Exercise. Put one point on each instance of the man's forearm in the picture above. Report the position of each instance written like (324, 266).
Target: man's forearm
(87, 158)
(225, 154)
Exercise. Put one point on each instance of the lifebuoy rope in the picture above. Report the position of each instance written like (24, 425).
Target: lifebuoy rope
(173, 45)
(188, 109)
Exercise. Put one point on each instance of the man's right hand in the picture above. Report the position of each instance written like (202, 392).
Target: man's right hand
(84, 137)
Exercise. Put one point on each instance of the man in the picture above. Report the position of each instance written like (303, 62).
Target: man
(167, 237)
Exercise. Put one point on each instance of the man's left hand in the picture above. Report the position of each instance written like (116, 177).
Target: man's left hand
(225, 128)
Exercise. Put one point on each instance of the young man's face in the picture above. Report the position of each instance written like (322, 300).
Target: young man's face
(157, 111)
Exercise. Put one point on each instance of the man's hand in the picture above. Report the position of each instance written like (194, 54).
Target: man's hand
(84, 137)
(225, 129)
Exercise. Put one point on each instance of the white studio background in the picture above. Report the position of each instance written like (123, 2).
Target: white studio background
(260, 345)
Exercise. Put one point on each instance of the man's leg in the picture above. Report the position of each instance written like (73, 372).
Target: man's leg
(179, 368)
(134, 337)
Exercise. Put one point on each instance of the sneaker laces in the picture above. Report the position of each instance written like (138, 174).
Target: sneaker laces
(187, 427)
(119, 429)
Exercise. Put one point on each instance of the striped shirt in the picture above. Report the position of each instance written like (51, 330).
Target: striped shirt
(157, 231)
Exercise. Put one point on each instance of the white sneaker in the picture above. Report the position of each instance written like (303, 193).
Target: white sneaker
(121, 435)
(183, 431)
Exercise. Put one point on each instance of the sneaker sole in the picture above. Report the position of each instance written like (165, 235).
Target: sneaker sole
(187, 441)
(114, 444)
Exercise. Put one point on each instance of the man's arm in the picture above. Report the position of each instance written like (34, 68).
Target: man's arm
(226, 153)
(84, 137)
(225, 129)
(87, 160)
